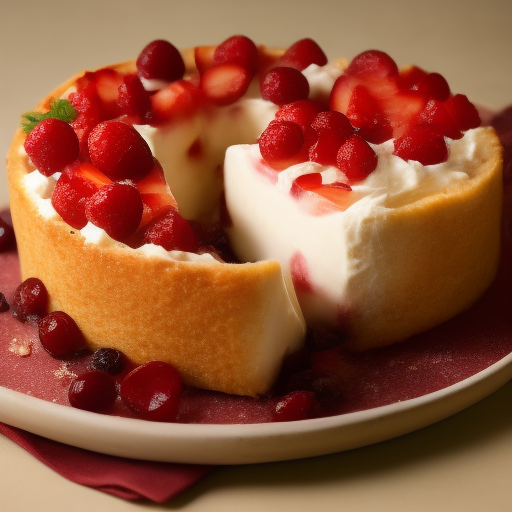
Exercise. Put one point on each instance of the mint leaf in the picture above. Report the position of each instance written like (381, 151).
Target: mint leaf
(59, 109)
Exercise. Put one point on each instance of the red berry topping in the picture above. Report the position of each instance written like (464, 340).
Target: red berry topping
(52, 145)
(295, 406)
(177, 100)
(225, 83)
(161, 60)
(70, 197)
(436, 118)
(4, 305)
(333, 122)
(116, 208)
(204, 57)
(93, 391)
(280, 142)
(7, 238)
(30, 301)
(283, 84)
(410, 77)
(108, 360)
(119, 151)
(463, 112)
(302, 112)
(372, 63)
(422, 145)
(171, 231)
(238, 50)
(60, 335)
(356, 159)
(133, 100)
(434, 85)
(302, 54)
(153, 391)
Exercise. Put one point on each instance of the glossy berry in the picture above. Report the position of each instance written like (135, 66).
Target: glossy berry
(283, 84)
(4, 305)
(171, 231)
(356, 159)
(52, 145)
(295, 406)
(238, 50)
(160, 60)
(60, 335)
(153, 391)
(280, 142)
(372, 63)
(436, 118)
(117, 208)
(463, 112)
(119, 151)
(108, 360)
(434, 85)
(302, 112)
(6, 235)
(93, 391)
(302, 54)
(422, 145)
(30, 301)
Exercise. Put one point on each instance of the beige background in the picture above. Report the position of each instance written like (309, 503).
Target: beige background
(461, 464)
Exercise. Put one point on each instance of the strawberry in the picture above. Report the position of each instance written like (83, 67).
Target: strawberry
(302, 112)
(283, 84)
(225, 83)
(373, 63)
(332, 128)
(302, 54)
(463, 112)
(281, 144)
(119, 151)
(117, 208)
(434, 85)
(335, 192)
(356, 159)
(409, 78)
(239, 50)
(160, 60)
(422, 145)
(177, 100)
(154, 190)
(52, 145)
(133, 100)
(436, 118)
(203, 56)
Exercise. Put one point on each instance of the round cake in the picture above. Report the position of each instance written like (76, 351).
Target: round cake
(205, 207)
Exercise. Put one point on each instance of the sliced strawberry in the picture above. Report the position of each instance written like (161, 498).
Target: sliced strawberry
(422, 145)
(463, 112)
(332, 129)
(401, 109)
(302, 54)
(225, 83)
(409, 78)
(373, 63)
(434, 85)
(154, 190)
(342, 92)
(366, 114)
(335, 192)
(302, 112)
(238, 50)
(436, 118)
(133, 100)
(179, 99)
(203, 56)
(356, 159)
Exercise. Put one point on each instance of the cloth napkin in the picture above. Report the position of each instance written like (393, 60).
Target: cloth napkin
(125, 478)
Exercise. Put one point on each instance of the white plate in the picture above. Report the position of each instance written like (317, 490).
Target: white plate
(245, 444)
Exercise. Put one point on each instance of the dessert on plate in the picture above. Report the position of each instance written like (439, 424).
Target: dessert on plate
(205, 208)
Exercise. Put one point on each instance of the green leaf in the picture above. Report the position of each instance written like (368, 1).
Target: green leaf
(59, 109)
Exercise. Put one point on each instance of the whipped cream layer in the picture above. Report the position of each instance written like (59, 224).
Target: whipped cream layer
(318, 242)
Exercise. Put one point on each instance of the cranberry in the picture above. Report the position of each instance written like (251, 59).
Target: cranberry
(93, 391)
(108, 360)
(153, 391)
(302, 54)
(295, 406)
(283, 84)
(238, 50)
(52, 145)
(171, 231)
(161, 60)
(422, 145)
(356, 159)
(280, 141)
(4, 305)
(6, 235)
(119, 151)
(117, 208)
(30, 301)
(60, 335)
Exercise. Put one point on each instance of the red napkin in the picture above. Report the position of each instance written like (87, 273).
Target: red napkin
(125, 478)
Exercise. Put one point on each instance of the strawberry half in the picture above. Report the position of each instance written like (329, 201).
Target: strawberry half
(225, 83)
